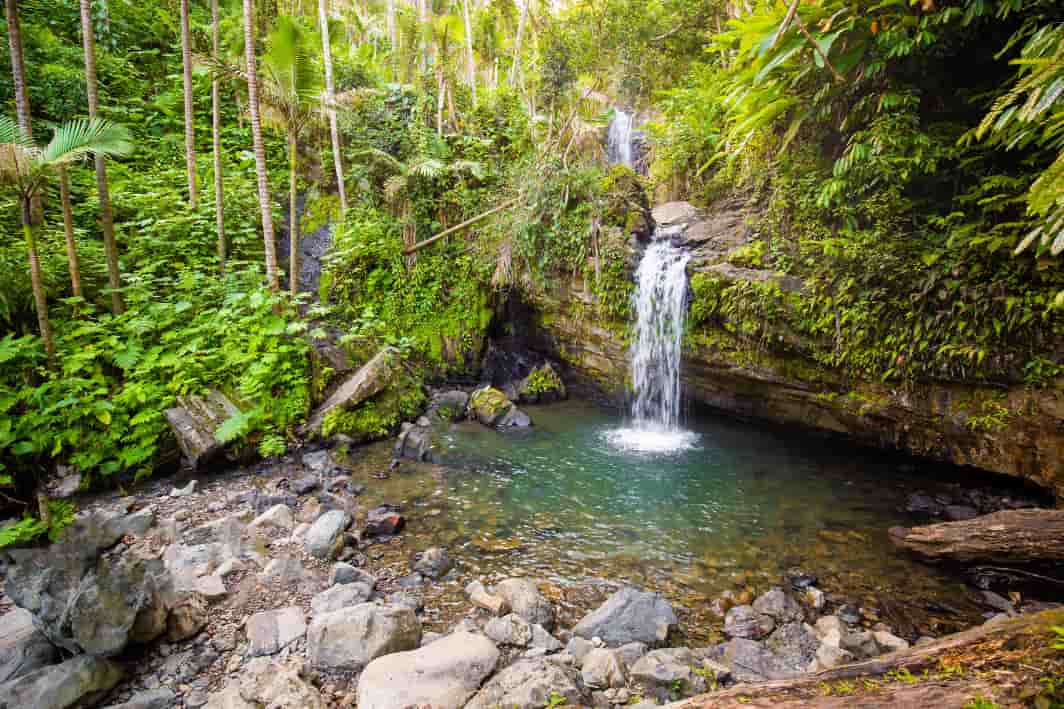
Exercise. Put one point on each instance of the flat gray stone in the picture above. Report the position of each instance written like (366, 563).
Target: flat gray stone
(268, 632)
(79, 682)
(323, 537)
(23, 648)
(629, 615)
(528, 684)
(351, 638)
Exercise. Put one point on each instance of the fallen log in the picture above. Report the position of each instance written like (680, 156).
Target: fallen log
(1010, 538)
(992, 660)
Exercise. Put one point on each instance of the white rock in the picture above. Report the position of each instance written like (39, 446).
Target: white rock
(277, 517)
(184, 491)
(350, 638)
(889, 642)
(270, 631)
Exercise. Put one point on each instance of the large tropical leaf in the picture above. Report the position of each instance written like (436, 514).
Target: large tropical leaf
(74, 140)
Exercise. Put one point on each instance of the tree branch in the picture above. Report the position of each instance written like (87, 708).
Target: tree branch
(458, 227)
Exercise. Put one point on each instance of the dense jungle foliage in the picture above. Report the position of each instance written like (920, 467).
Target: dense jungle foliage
(904, 158)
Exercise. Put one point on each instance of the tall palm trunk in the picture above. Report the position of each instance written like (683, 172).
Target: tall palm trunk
(68, 232)
(37, 282)
(18, 76)
(423, 21)
(470, 61)
(260, 151)
(216, 139)
(190, 116)
(393, 38)
(330, 94)
(515, 70)
(293, 215)
(114, 278)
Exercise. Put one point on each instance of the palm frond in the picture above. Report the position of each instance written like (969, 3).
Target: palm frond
(18, 155)
(427, 167)
(76, 139)
(380, 156)
(394, 187)
(474, 168)
(12, 134)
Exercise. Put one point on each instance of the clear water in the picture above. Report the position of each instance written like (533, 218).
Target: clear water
(730, 512)
(660, 304)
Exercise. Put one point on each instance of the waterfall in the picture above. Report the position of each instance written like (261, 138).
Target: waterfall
(619, 139)
(660, 303)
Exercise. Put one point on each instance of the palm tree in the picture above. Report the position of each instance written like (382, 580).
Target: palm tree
(330, 96)
(251, 74)
(24, 167)
(190, 117)
(114, 278)
(471, 65)
(216, 137)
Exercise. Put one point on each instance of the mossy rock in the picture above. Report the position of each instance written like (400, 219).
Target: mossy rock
(490, 406)
(542, 385)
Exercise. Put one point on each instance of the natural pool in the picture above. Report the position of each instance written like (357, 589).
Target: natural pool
(732, 511)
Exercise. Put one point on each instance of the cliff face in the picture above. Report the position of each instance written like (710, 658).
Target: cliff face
(1013, 430)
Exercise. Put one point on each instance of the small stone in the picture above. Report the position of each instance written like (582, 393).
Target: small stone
(888, 642)
(509, 630)
(277, 517)
(433, 563)
(384, 520)
(745, 622)
(342, 573)
(184, 491)
(496, 605)
(304, 485)
(187, 618)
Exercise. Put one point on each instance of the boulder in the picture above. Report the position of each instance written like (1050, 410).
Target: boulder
(862, 644)
(493, 603)
(444, 675)
(419, 443)
(829, 657)
(526, 601)
(23, 648)
(85, 597)
(149, 699)
(750, 661)
(665, 672)
(541, 386)
(541, 638)
(745, 622)
(267, 683)
(779, 606)
(341, 596)
(194, 422)
(384, 520)
(448, 406)
(433, 563)
(367, 382)
(270, 631)
(673, 214)
(511, 629)
(187, 618)
(491, 407)
(888, 642)
(514, 418)
(794, 646)
(351, 638)
(278, 517)
(830, 629)
(629, 615)
(342, 573)
(529, 684)
(603, 669)
(324, 539)
(79, 682)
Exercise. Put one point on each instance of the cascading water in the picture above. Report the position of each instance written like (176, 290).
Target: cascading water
(661, 307)
(619, 139)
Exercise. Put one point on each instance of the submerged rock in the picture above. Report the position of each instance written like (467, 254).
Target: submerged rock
(444, 675)
(419, 443)
(433, 563)
(629, 615)
(384, 520)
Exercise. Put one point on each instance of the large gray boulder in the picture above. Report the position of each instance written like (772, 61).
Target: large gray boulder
(79, 682)
(367, 382)
(529, 684)
(351, 638)
(526, 601)
(324, 536)
(745, 622)
(267, 683)
(750, 661)
(794, 646)
(194, 422)
(662, 672)
(270, 631)
(85, 597)
(629, 615)
(444, 674)
(23, 648)
(340, 596)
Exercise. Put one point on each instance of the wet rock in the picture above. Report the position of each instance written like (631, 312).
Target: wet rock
(602, 669)
(494, 604)
(800, 580)
(351, 638)
(277, 517)
(341, 596)
(150, 699)
(187, 618)
(666, 672)
(745, 622)
(514, 418)
(998, 602)
(384, 520)
(794, 646)
(195, 420)
(79, 682)
(342, 573)
(849, 614)
(814, 598)
(509, 630)
(449, 406)
(414, 580)
(491, 407)
(85, 598)
(445, 674)
(23, 648)
(921, 504)
(417, 443)
(325, 537)
(526, 601)
(368, 381)
(270, 631)
(862, 644)
(779, 606)
(528, 684)
(305, 485)
(957, 513)
(629, 615)
(433, 563)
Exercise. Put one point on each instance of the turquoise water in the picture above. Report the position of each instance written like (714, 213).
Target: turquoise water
(731, 512)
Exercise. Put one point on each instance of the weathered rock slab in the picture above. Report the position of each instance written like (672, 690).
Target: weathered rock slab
(79, 682)
(194, 422)
(351, 638)
(23, 648)
(629, 615)
(528, 684)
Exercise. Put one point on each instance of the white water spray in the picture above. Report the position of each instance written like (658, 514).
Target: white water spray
(661, 309)
(619, 139)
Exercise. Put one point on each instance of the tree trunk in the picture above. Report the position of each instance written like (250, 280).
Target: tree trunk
(190, 116)
(37, 283)
(260, 151)
(1010, 538)
(423, 21)
(22, 94)
(68, 232)
(110, 248)
(216, 140)
(393, 38)
(293, 215)
(515, 70)
(441, 90)
(330, 95)
(470, 61)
